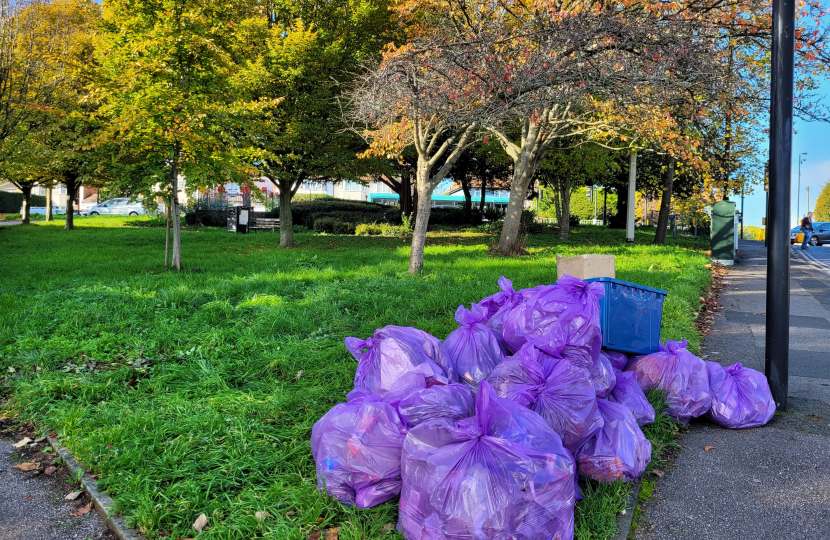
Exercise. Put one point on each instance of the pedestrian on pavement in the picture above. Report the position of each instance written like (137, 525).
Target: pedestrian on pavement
(807, 229)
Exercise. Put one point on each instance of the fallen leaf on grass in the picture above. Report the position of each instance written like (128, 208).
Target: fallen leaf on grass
(333, 533)
(659, 473)
(262, 515)
(74, 495)
(23, 442)
(707, 448)
(49, 471)
(28, 466)
(53, 434)
(320, 520)
(82, 510)
(315, 535)
(290, 513)
(388, 527)
(40, 439)
(298, 375)
(200, 523)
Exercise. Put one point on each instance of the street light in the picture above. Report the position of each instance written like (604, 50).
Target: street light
(798, 195)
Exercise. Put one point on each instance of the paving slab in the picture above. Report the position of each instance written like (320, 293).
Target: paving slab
(758, 484)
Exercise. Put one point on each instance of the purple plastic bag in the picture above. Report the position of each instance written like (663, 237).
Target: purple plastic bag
(618, 360)
(397, 360)
(619, 451)
(500, 304)
(627, 392)
(603, 377)
(680, 374)
(500, 474)
(473, 349)
(560, 392)
(453, 402)
(522, 324)
(573, 304)
(357, 450)
(567, 311)
(741, 397)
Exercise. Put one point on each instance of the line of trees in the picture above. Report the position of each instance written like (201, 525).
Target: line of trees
(136, 96)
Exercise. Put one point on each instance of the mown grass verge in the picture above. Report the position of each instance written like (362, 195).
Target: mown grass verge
(206, 382)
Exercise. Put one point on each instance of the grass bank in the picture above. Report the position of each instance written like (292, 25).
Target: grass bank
(206, 383)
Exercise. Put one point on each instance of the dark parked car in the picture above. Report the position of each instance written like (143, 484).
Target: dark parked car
(821, 233)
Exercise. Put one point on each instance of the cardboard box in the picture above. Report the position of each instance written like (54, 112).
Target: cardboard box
(586, 266)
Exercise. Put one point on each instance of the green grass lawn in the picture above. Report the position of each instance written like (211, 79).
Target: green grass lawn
(207, 382)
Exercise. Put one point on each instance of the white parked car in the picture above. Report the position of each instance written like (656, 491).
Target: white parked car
(119, 207)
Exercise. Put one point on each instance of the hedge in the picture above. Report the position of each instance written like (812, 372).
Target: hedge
(306, 213)
(10, 202)
(751, 232)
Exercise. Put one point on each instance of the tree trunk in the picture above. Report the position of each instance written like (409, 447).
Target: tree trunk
(27, 204)
(525, 162)
(177, 229)
(483, 194)
(167, 233)
(414, 217)
(565, 224)
(48, 204)
(286, 218)
(665, 202)
(405, 194)
(557, 202)
(71, 188)
(424, 205)
(468, 199)
(69, 223)
(523, 172)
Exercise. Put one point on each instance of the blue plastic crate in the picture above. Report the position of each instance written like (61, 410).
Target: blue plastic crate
(630, 316)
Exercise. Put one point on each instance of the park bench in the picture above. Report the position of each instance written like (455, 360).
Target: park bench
(265, 223)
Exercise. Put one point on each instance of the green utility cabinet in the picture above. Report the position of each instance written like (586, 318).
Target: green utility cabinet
(723, 232)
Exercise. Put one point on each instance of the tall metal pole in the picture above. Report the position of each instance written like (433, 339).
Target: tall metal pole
(632, 197)
(742, 212)
(777, 350)
(604, 204)
(798, 195)
(808, 199)
(594, 196)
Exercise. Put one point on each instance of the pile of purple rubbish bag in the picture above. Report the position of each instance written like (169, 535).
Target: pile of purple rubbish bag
(485, 434)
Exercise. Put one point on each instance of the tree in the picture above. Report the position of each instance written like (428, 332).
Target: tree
(531, 73)
(38, 70)
(822, 206)
(481, 166)
(407, 107)
(312, 53)
(31, 66)
(399, 175)
(568, 167)
(176, 81)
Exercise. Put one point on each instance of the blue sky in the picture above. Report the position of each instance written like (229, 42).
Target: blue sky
(810, 137)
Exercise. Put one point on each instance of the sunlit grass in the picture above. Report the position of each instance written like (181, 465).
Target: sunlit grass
(196, 404)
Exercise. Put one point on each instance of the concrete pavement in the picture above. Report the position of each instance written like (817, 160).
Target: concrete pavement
(767, 483)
